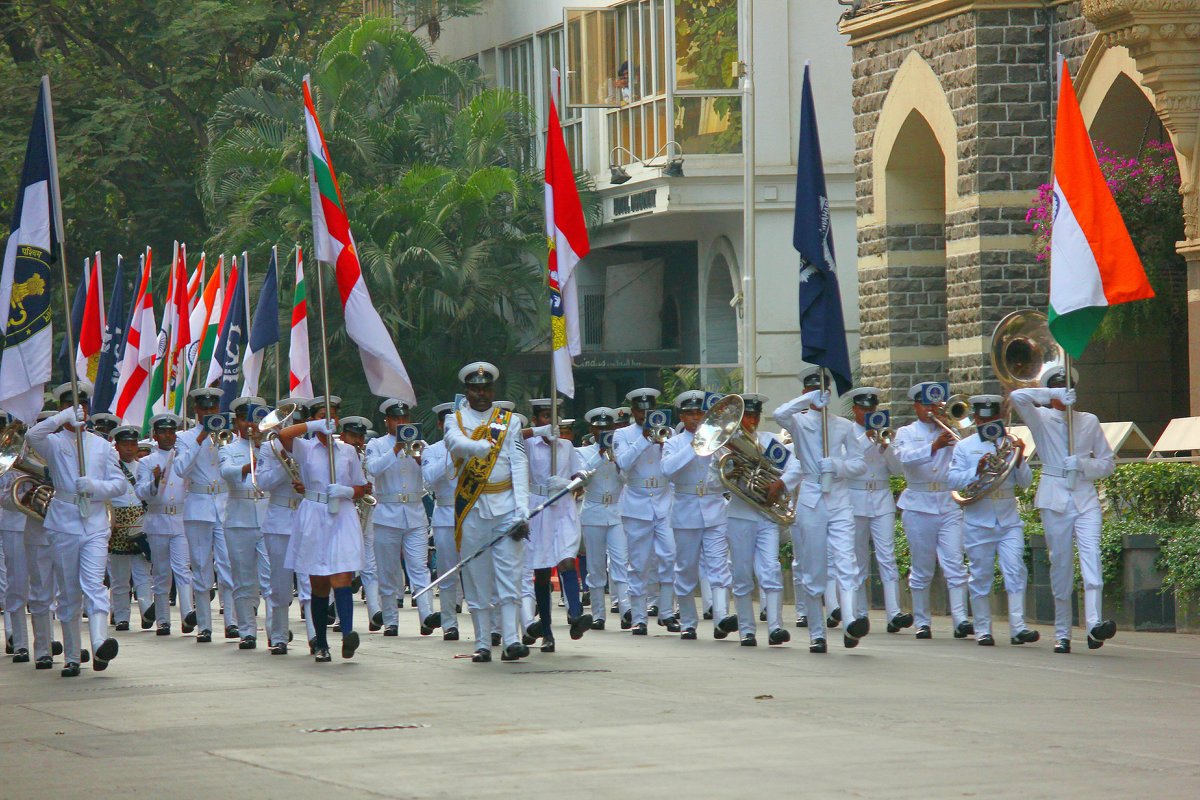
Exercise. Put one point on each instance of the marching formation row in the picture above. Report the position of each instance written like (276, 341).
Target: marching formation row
(647, 511)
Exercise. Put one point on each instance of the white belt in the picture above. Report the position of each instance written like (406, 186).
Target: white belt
(242, 494)
(1055, 472)
(870, 486)
(699, 490)
(286, 502)
(606, 499)
(169, 511)
(651, 483)
(397, 497)
(200, 488)
(932, 486)
(448, 504)
(1001, 494)
(540, 489)
(317, 497)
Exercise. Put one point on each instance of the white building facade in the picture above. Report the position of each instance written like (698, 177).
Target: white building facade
(663, 286)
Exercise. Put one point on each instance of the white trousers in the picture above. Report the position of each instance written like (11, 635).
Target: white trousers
(170, 557)
(16, 588)
(206, 552)
(39, 560)
(493, 580)
(819, 531)
(608, 565)
(936, 540)
(280, 596)
(754, 553)
(651, 547)
(122, 568)
(247, 583)
(879, 531)
(392, 545)
(370, 571)
(713, 542)
(79, 565)
(984, 546)
(449, 593)
(1064, 529)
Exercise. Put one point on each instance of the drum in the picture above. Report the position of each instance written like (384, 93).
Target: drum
(126, 530)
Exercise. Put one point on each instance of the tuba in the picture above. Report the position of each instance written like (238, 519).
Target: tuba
(743, 468)
(31, 491)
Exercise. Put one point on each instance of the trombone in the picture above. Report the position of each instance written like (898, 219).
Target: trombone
(953, 415)
(267, 423)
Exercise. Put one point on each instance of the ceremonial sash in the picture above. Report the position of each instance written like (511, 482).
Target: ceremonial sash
(473, 477)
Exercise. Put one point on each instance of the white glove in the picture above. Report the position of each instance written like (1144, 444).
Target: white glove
(1071, 463)
(827, 467)
(84, 486)
(479, 448)
(520, 514)
(557, 484)
(543, 430)
(339, 491)
(320, 426)
(70, 416)
(1068, 397)
(818, 399)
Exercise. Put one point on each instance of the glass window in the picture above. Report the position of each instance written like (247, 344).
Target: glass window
(706, 44)
(709, 124)
(592, 57)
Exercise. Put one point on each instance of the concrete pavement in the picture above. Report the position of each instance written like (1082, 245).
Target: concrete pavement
(612, 716)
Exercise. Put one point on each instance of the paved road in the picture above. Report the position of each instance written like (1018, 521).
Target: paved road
(612, 716)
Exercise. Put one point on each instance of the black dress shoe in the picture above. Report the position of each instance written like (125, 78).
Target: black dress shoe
(779, 636)
(964, 629)
(107, 650)
(458, 608)
(924, 632)
(626, 624)
(71, 670)
(336, 627)
(376, 622)
(1104, 630)
(430, 623)
(726, 626)
(400, 601)
(21, 656)
(834, 619)
(290, 637)
(391, 630)
(688, 634)
(532, 633)
(585, 598)
(762, 615)
(163, 630)
(802, 621)
(849, 642)
(204, 636)
(349, 644)
(899, 622)
(231, 632)
(817, 646)
(749, 640)
(321, 656)
(1025, 637)
(279, 649)
(121, 626)
(84, 656)
(614, 608)
(986, 641)
(148, 618)
(652, 611)
(1094, 643)
(708, 613)
(247, 643)
(1062, 646)
(8, 646)
(580, 625)
(189, 622)
(482, 656)
(597, 624)
(45, 662)
(513, 652)
(55, 648)
(496, 640)
(858, 627)
(548, 645)
(639, 629)
(312, 646)
(450, 635)
(670, 623)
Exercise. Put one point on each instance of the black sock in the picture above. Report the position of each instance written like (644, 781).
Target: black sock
(319, 607)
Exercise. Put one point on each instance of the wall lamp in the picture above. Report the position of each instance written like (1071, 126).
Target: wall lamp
(671, 167)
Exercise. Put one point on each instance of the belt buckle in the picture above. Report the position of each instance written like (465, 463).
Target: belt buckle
(701, 491)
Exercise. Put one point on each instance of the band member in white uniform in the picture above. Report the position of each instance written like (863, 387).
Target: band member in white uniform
(824, 517)
(127, 545)
(401, 527)
(79, 539)
(492, 496)
(279, 523)
(14, 565)
(645, 514)
(327, 544)
(933, 522)
(600, 517)
(244, 515)
(875, 512)
(437, 473)
(810, 380)
(354, 433)
(1067, 500)
(992, 525)
(162, 491)
(196, 463)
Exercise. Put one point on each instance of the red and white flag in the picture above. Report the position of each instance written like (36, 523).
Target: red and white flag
(299, 370)
(133, 385)
(214, 365)
(385, 372)
(91, 331)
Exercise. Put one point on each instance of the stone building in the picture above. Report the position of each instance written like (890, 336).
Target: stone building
(953, 113)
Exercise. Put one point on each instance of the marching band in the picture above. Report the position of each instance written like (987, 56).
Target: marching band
(267, 504)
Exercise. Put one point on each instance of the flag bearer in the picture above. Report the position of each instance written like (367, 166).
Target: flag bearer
(163, 492)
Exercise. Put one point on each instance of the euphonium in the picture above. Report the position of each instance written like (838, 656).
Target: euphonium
(743, 468)
(31, 491)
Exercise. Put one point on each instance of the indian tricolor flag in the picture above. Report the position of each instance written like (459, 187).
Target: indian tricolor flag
(1093, 263)
(567, 240)
(141, 348)
(299, 371)
(385, 372)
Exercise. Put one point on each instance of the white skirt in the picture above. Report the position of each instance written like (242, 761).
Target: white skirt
(553, 534)
(324, 543)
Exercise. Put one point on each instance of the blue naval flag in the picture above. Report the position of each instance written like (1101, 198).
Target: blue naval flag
(229, 345)
(822, 327)
(116, 328)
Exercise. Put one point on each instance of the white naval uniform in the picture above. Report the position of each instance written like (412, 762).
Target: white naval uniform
(875, 522)
(700, 524)
(14, 566)
(933, 522)
(80, 544)
(646, 517)
(278, 524)
(437, 472)
(992, 527)
(203, 523)
(824, 520)
(495, 577)
(163, 524)
(754, 553)
(603, 535)
(554, 534)
(401, 527)
(326, 540)
(244, 515)
(1070, 514)
(121, 566)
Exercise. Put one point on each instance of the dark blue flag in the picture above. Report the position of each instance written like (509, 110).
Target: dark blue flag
(229, 345)
(822, 327)
(77, 308)
(264, 331)
(115, 330)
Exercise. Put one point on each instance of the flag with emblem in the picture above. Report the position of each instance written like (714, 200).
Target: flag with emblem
(141, 348)
(386, 375)
(264, 328)
(228, 352)
(113, 348)
(299, 369)
(91, 326)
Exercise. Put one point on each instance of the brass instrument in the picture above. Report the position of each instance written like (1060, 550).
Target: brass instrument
(744, 469)
(31, 491)
(587, 441)
(367, 501)
(954, 415)
(883, 436)
(414, 449)
(996, 469)
(260, 429)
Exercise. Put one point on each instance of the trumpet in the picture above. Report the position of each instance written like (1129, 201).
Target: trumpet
(368, 500)
(881, 436)
(661, 433)
(413, 449)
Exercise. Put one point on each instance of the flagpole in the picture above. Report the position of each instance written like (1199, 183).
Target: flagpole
(84, 504)
(749, 299)
(278, 305)
(826, 483)
(325, 376)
